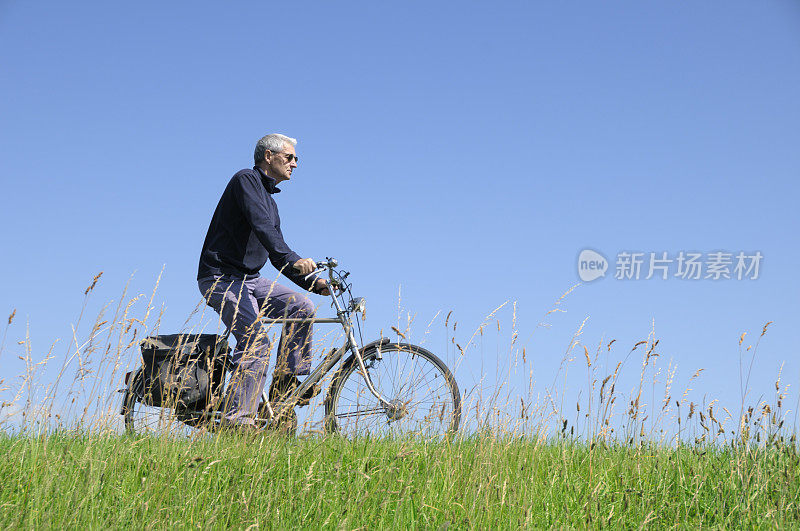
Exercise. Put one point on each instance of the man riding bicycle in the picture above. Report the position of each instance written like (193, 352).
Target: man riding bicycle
(245, 231)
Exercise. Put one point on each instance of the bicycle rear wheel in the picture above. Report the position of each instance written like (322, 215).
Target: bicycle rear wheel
(423, 396)
(143, 419)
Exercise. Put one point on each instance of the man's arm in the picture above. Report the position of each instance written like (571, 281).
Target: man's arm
(247, 192)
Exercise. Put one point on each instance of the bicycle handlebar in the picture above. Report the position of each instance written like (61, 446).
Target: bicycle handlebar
(328, 263)
(322, 266)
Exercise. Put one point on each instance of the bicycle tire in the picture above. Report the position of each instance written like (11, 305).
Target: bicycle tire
(423, 392)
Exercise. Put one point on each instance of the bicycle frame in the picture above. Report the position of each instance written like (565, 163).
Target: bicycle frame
(328, 362)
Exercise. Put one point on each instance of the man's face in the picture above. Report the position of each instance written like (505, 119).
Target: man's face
(280, 164)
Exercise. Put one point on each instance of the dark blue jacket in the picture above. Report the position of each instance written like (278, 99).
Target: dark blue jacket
(246, 230)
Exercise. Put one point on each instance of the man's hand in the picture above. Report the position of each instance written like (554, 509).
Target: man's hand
(321, 287)
(305, 265)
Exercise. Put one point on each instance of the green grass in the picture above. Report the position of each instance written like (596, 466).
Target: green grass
(74, 481)
(735, 466)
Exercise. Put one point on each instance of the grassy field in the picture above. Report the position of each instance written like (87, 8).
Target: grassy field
(71, 481)
(632, 449)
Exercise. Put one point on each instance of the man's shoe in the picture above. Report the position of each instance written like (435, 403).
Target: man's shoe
(284, 385)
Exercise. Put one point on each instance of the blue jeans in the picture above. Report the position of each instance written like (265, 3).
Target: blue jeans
(241, 302)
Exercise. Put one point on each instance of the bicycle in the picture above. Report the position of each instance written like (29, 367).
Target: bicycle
(383, 388)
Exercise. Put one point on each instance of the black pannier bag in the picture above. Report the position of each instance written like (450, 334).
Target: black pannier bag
(184, 371)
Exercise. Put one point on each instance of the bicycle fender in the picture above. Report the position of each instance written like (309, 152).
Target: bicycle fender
(375, 344)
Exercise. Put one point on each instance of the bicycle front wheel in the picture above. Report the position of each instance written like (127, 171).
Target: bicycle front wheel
(423, 397)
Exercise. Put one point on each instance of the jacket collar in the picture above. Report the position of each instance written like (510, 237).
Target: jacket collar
(269, 182)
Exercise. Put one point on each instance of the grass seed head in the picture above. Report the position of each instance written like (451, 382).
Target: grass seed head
(94, 283)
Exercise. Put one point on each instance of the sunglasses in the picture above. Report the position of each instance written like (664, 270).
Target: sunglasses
(289, 156)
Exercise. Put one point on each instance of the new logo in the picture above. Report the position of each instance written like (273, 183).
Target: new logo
(591, 265)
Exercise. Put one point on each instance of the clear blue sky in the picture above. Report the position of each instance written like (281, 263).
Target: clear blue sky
(467, 152)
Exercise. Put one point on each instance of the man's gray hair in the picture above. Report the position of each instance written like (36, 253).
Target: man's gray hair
(274, 142)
